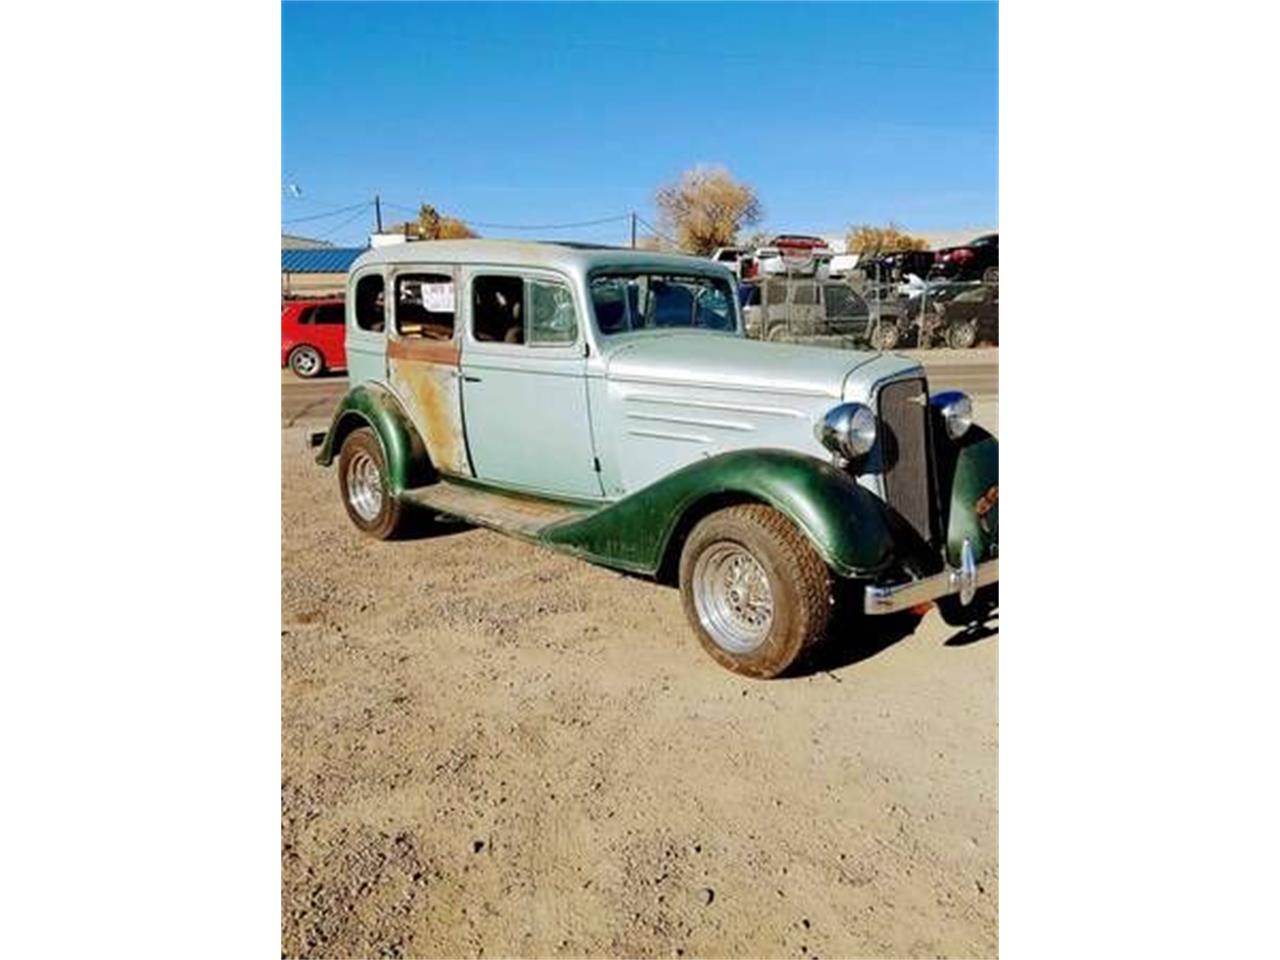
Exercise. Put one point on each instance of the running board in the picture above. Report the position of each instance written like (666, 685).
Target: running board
(508, 513)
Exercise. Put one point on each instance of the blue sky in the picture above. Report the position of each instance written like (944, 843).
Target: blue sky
(531, 113)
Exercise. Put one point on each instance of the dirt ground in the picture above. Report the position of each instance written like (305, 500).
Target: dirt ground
(490, 749)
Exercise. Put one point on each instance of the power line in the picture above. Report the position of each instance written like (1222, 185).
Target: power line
(656, 232)
(519, 226)
(329, 213)
(349, 219)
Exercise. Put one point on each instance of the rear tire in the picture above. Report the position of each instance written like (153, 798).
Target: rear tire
(991, 275)
(777, 333)
(362, 478)
(306, 362)
(754, 590)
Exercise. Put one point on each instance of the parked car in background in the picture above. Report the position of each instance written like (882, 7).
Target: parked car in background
(979, 259)
(798, 308)
(312, 336)
(970, 317)
(604, 403)
(736, 259)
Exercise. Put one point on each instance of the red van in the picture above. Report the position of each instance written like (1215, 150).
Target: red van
(311, 336)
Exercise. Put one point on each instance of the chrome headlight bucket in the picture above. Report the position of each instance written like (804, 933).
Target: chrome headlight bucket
(848, 430)
(956, 410)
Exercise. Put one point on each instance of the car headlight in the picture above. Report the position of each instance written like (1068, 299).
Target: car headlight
(848, 430)
(956, 410)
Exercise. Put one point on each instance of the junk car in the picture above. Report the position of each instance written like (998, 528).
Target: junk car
(606, 403)
(799, 308)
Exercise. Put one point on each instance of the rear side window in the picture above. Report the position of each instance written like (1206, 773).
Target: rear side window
(330, 314)
(425, 305)
(497, 309)
(805, 294)
(371, 303)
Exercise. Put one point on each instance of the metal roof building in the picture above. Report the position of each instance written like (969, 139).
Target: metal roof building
(314, 272)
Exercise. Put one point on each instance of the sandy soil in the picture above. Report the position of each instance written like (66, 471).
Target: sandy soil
(490, 749)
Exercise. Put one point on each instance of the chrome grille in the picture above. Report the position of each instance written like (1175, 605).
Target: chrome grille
(904, 439)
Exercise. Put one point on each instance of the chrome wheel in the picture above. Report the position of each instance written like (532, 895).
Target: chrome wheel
(732, 597)
(364, 486)
(305, 361)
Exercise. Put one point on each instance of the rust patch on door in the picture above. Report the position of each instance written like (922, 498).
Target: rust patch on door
(426, 351)
(424, 376)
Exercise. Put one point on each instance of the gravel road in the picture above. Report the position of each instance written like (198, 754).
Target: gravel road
(489, 749)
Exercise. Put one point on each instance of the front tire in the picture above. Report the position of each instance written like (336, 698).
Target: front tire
(362, 478)
(884, 335)
(306, 362)
(985, 602)
(754, 590)
(991, 275)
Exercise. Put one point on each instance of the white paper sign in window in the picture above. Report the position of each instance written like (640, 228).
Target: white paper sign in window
(438, 297)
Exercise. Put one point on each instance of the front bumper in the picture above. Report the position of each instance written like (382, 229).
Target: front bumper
(964, 581)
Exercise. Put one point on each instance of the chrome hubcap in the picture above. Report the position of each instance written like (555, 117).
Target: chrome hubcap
(732, 597)
(364, 487)
(306, 362)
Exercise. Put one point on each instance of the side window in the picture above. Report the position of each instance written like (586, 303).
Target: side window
(497, 309)
(331, 314)
(371, 304)
(305, 315)
(552, 317)
(805, 295)
(425, 306)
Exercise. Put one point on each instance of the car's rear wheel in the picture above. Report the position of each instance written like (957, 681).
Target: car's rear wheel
(962, 336)
(991, 275)
(306, 361)
(362, 477)
(755, 591)
(778, 332)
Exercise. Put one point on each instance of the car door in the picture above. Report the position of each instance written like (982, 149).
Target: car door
(422, 361)
(524, 387)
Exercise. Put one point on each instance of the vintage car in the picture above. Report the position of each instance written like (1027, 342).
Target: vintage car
(606, 403)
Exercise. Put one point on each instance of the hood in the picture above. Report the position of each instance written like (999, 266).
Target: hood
(736, 363)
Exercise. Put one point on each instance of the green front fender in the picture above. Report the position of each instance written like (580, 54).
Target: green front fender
(973, 511)
(848, 525)
(371, 405)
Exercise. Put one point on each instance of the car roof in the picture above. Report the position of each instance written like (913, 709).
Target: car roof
(579, 258)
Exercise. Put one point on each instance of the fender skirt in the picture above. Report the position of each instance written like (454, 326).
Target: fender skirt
(973, 513)
(371, 405)
(848, 525)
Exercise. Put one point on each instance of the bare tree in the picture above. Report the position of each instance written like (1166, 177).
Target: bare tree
(706, 208)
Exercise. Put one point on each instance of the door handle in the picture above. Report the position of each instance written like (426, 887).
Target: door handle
(470, 379)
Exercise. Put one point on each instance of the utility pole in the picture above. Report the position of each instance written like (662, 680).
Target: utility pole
(633, 229)
(377, 206)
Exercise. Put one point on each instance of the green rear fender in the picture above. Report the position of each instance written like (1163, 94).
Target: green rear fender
(848, 525)
(370, 405)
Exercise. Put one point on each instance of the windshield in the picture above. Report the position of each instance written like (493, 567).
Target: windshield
(642, 301)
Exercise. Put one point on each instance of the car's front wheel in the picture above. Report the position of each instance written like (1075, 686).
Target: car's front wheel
(306, 361)
(884, 335)
(362, 478)
(755, 591)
